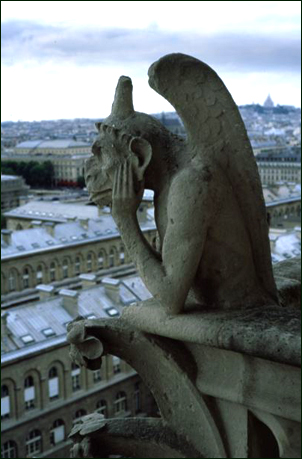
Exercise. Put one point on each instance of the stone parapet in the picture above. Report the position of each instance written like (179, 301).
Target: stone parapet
(223, 381)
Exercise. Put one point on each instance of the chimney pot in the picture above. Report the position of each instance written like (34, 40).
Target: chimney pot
(7, 236)
(50, 228)
(70, 301)
(112, 288)
(4, 329)
(36, 223)
(88, 280)
(84, 223)
(45, 291)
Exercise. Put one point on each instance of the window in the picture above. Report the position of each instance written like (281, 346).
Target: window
(9, 449)
(27, 339)
(112, 312)
(52, 272)
(101, 260)
(75, 377)
(57, 433)
(25, 278)
(111, 258)
(65, 268)
(33, 443)
(48, 332)
(101, 407)
(29, 393)
(39, 274)
(120, 403)
(89, 262)
(5, 404)
(78, 415)
(91, 316)
(77, 265)
(53, 384)
(116, 364)
(97, 376)
(122, 255)
(11, 281)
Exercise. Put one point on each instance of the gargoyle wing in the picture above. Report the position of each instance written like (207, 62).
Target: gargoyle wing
(217, 133)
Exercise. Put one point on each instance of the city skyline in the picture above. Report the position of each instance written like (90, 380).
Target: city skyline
(63, 63)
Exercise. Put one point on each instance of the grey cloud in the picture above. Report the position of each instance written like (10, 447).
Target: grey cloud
(29, 41)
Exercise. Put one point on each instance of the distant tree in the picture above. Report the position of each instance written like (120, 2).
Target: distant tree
(34, 173)
(6, 170)
(81, 181)
(258, 108)
(280, 110)
(37, 175)
(49, 173)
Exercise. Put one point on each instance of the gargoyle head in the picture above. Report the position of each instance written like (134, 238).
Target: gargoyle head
(110, 149)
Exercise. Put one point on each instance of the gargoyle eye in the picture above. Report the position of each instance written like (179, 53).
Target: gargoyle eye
(96, 148)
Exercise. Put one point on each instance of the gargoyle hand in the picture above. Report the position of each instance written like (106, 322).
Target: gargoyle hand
(84, 349)
(127, 191)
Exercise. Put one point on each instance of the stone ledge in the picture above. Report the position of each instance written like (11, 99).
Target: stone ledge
(271, 332)
(288, 280)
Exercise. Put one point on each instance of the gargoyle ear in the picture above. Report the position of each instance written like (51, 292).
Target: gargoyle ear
(98, 125)
(143, 153)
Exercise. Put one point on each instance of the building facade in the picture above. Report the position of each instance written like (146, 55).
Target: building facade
(279, 166)
(13, 192)
(68, 156)
(56, 254)
(43, 394)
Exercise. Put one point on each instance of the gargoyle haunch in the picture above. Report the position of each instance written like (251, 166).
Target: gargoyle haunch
(209, 209)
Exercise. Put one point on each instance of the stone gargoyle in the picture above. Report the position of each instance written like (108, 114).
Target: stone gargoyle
(215, 348)
(213, 249)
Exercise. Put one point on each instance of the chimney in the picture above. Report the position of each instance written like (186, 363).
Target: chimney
(88, 280)
(273, 239)
(7, 236)
(112, 289)
(84, 223)
(50, 228)
(36, 223)
(70, 301)
(298, 232)
(45, 291)
(5, 332)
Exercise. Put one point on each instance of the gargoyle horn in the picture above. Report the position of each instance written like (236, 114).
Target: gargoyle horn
(122, 106)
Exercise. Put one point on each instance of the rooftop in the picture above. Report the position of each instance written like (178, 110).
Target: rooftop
(37, 325)
(24, 242)
(6, 178)
(58, 143)
(53, 211)
(59, 212)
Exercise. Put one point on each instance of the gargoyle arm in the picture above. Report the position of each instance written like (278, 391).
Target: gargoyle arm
(170, 278)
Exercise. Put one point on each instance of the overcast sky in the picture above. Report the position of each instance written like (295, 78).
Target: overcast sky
(63, 59)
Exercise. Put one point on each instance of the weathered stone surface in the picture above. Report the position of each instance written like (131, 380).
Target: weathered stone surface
(272, 332)
(148, 438)
(290, 269)
(214, 345)
(84, 350)
(209, 208)
(288, 279)
(204, 393)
